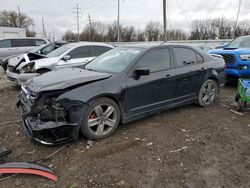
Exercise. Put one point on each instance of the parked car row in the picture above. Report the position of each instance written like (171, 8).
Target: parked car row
(90, 87)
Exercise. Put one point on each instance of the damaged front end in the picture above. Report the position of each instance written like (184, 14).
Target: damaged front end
(49, 121)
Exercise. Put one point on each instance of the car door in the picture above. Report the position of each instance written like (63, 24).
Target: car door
(79, 56)
(6, 48)
(154, 91)
(190, 72)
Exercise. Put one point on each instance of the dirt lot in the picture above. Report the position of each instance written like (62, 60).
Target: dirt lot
(184, 147)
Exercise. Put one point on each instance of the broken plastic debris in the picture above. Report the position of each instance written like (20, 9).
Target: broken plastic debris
(177, 150)
(150, 144)
(239, 113)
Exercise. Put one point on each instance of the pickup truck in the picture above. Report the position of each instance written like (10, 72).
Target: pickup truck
(236, 55)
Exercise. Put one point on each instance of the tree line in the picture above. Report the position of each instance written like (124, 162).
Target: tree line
(15, 19)
(97, 31)
(218, 28)
(203, 29)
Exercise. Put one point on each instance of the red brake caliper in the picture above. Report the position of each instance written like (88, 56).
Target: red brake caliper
(93, 116)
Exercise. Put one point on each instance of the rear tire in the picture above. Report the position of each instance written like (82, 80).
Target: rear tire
(101, 119)
(208, 92)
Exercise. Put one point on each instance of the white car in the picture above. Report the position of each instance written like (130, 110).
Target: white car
(69, 55)
(15, 46)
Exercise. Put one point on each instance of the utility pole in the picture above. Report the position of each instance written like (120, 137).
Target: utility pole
(90, 27)
(44, 33)
(19, 17)
(118, 23)
(77, 12)
(164, 21)
(237, 17)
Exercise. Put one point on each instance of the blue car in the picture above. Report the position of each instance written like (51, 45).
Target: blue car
(237, 57)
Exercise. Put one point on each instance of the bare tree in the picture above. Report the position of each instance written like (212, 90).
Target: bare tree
(128, 34)
(69, 36)
(13, 19)
(153, 31)
(30, 33)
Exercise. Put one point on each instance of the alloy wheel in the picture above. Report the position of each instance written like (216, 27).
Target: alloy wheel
(209, 92)
(102, 119)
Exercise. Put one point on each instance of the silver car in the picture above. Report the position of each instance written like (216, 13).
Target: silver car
(69, 55)
(15, 46)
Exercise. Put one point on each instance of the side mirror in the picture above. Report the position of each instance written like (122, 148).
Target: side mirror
(142, 71)
(66, 58)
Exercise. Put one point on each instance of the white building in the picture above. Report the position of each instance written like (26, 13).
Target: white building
(10, 32)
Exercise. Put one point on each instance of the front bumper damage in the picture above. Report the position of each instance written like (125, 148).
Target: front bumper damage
(50, 124)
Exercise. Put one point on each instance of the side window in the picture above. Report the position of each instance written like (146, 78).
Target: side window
(156, 60)
(184, 56)
(199, 58)
(21, 42)
(98, 50)
(38, 42)
(80, 52)
(5, 44)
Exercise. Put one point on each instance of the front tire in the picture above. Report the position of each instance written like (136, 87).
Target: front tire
(101, 119)
(208, 93)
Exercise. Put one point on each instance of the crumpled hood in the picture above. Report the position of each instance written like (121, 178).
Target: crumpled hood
(13, 61)
(63, 78)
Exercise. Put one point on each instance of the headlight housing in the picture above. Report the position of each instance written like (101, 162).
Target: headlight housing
(28, 68)
(245, 57)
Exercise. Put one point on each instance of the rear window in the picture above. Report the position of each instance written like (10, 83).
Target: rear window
(80, 52)
(98, 50)
(5, 44)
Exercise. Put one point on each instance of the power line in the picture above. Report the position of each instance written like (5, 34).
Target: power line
(237, 17)
(77, 12)
(19, 17)
(118, 21)
(164, 21)
(183, 12)
(44, 32)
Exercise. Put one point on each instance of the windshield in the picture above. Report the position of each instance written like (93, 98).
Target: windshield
(35, 50)
(59, 51)
(240, 42)
(114, 61)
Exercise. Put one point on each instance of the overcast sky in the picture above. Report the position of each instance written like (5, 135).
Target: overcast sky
(58, 14)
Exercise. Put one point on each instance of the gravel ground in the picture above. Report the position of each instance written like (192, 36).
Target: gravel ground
(184, 147)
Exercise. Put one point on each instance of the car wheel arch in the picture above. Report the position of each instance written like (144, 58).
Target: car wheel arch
(214, 79)
(43, 70)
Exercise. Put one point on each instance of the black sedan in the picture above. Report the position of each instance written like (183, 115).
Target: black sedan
(122, 85)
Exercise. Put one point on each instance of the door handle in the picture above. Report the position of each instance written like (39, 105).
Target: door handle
(202, 69)
(168, 76)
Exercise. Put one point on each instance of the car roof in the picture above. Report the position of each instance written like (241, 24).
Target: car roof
(77, 44)
(154, 44)
(24, 38)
